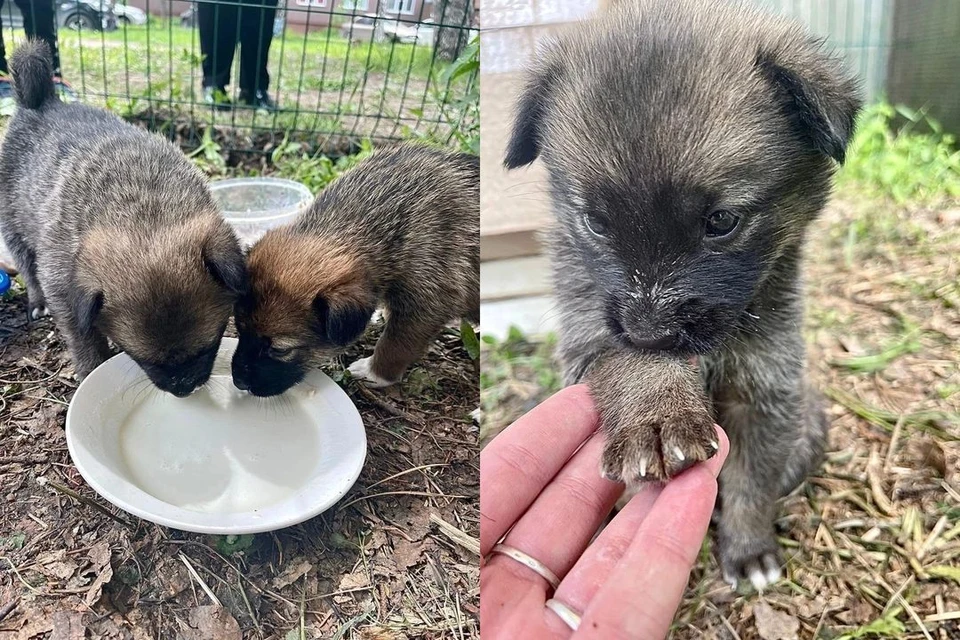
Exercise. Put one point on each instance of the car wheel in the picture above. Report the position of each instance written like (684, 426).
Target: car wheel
(77, 21)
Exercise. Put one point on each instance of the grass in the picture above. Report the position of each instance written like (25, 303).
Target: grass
(872, 540)
(917, 163)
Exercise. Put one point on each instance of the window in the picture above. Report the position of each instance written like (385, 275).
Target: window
(356, 5)
(319, 4)
(400, 6)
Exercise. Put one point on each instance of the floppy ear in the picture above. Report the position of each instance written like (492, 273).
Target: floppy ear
(525, 139)
(225, 261)
(86, 309)
(342, 323)
(819, 98)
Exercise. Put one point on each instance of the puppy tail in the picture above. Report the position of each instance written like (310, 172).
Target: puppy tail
(32, 71)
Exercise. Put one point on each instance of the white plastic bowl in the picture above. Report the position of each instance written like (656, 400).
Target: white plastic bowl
(254, 205)
(220, 461)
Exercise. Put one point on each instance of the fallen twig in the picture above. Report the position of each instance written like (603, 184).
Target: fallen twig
(8, 608)
(90, 503)
(462, 538)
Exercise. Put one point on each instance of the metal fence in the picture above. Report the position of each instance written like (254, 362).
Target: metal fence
(336, 70)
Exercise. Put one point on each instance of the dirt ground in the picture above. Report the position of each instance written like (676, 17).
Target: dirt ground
(873, 540)
(395, 558)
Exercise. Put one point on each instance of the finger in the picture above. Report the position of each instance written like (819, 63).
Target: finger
(597, 563)
(641, 594)
(519, 462)
(563, 519)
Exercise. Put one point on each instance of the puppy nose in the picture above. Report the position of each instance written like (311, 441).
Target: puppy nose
(655, 343)
(241, 384)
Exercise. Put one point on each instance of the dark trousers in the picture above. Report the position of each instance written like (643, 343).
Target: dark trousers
(223, 25)
(39, 21)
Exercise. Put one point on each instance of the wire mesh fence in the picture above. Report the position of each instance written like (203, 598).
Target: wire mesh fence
(250, 73)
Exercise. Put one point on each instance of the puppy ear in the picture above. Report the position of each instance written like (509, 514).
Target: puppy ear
(526, 136)
(224, 259)
(817, 95)
(342, 323)
(86, 309)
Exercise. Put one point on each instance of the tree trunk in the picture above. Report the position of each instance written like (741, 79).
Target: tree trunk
(456, 17)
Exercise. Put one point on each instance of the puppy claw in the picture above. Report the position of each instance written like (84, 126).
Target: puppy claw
(643, 468)
(363, 370)
(715, 445)
(772, 575)
(679, 454)
(757, 579)
(730, 580)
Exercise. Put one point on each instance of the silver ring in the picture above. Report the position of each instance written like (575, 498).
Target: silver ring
(570, 617)
(530, 562)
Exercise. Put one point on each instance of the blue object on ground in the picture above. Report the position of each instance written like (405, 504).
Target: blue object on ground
(4, 282)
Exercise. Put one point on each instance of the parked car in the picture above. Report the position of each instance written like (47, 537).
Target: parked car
(395, 30)
(97, 15)
(363, 29)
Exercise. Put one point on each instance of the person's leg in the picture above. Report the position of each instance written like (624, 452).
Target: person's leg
(256, 34)
(3, 51)
(218, 24)
(39, 21)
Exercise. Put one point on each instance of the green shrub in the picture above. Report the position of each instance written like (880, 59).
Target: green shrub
(903, 163)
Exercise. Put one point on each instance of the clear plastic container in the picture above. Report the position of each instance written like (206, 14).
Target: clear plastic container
(253, 205)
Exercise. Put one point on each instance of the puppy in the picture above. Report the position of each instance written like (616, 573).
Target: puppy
(689, 145)
(115, 233)
(402, 228)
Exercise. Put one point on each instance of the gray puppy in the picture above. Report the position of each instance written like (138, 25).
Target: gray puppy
(115, 232)
(689, 145)
(401, 229)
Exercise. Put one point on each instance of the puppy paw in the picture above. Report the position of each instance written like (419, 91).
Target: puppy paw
(644, 446)
(38, 309)
(758, 561)
(362, 370)
(655, 415)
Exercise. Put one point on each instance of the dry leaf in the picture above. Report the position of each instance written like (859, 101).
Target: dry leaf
(210, 623)
(104, 575)
(292, 573)
(56, 564)
(773, 624)
(406, 554)
(356, 580)
(68, 625)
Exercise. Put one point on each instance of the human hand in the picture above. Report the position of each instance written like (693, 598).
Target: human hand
(541, 485)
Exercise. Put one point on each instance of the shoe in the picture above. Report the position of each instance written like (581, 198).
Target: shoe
(6, 89)
(67, 94)
(259, 100)
(217, 98)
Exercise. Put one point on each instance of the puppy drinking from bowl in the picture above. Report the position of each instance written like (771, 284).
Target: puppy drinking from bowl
(689, 145)
(115, 233)
(401, 230)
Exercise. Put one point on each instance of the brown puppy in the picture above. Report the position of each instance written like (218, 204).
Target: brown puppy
(115, 233)
(401, 229)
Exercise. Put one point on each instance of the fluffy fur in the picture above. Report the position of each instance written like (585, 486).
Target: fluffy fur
(401, 229)
(660, 123)
(115, 233)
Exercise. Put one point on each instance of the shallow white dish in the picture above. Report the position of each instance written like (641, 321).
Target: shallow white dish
(219, 461)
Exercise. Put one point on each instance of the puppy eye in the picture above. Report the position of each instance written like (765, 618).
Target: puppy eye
(276, 352)
(595, 224)
(721, 223)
